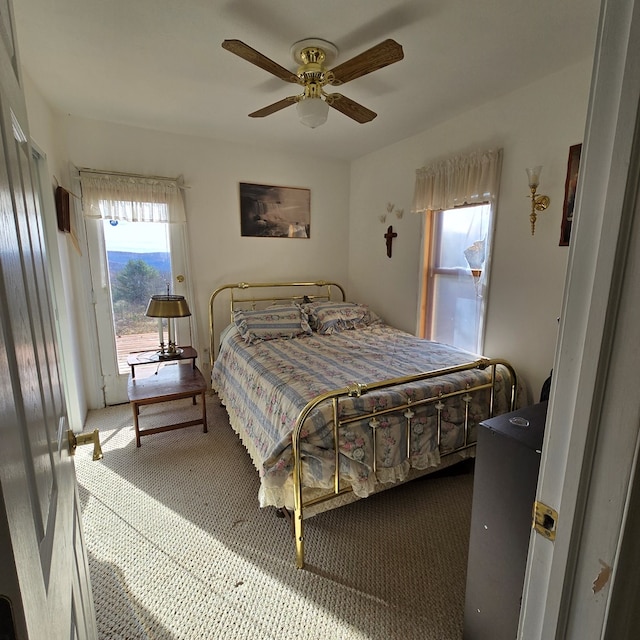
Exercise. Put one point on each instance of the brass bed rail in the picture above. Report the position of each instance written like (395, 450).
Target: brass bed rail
(313, 291)
(357, 389)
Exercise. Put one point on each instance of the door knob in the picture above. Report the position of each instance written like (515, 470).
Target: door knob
(180, 278)
(85, 438)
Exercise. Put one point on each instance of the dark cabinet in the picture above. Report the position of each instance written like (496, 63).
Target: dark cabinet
(506, 475)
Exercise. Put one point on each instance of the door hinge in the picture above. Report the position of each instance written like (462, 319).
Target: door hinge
(545, 520)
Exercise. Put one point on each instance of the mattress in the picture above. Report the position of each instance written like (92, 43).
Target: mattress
(265, 385)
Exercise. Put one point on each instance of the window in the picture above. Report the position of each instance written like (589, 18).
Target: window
(457, 196)
(457, 246)
(138, 266)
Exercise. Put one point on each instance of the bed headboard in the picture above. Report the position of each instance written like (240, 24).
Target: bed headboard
(258, 295)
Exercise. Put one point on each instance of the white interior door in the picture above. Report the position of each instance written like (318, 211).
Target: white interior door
(593, 423)
(44, 580)
(114, 248)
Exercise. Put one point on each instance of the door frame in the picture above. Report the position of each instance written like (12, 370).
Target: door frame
(589, 455)
(114, 384)
(63, 315)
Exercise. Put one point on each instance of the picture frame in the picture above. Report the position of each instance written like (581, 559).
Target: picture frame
(63, 210)
(66, 215)
(274, 212)
(570, 186)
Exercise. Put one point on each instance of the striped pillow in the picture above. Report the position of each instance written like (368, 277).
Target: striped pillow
(273, 323)
(333, 317)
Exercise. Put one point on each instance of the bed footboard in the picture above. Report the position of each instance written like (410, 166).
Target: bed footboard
(408, 410)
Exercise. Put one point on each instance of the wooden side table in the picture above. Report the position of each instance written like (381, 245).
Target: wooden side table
(153, 357)
(170, 382)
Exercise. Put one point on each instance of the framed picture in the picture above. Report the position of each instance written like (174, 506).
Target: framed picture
(63, 213)
(570, 186)
(66, 214)
(274, 212)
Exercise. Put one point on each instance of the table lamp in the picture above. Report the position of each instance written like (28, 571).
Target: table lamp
(167, 306)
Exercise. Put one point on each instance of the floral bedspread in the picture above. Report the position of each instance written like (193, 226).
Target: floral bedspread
(265, 385)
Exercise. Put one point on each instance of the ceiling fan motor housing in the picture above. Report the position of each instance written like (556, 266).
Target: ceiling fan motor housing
(312, 73)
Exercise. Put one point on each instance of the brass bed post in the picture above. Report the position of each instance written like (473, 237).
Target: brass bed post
(336, 446)
(374, 423)
(408, 414)
(298, 525)
(439, 407)
(514, 383)
(493, 389)
(298, 504)
(298, 516)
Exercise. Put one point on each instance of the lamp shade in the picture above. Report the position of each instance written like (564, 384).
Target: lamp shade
(534, 175)
(312, 112)
(167, 306)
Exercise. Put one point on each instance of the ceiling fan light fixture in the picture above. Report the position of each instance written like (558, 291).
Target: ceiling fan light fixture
(312, 112)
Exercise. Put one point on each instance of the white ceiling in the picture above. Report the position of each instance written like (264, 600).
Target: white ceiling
(158, 64)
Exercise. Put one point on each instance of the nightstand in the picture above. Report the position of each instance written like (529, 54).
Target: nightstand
(172, 381)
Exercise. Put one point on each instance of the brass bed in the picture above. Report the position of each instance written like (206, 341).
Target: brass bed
(332, 404)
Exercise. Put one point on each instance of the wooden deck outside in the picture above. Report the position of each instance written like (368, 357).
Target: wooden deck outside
(134, 342)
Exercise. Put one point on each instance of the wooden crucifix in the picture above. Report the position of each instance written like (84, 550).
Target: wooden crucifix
(389, 236)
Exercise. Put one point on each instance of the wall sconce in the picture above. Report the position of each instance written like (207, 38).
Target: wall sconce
(538, 202)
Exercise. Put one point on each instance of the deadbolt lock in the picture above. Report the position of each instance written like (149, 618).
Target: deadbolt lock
(85, 438)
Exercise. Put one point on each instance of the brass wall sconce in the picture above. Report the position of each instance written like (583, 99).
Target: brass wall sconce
(538, 202)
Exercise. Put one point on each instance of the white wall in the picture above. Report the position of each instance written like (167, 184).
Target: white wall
(534, 125)
(212, 170)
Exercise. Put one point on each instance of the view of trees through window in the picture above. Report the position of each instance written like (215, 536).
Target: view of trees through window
(131, 288)
(139, 263)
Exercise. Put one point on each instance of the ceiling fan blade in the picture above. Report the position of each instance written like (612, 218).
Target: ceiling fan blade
(272, 108)
(255, 57)
(377, 57)
(350, 108)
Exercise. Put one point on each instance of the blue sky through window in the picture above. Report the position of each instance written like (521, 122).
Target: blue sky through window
(137, 237)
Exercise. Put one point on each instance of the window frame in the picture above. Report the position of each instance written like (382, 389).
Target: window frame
(431, 243)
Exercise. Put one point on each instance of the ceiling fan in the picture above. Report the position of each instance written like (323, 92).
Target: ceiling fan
(312, 55)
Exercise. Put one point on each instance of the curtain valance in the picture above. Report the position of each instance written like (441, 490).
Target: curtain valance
(456, 181)
(131, 198)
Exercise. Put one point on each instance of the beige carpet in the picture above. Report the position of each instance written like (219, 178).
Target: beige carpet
(179, 549)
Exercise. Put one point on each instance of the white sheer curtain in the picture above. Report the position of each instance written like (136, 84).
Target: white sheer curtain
(466, 179)
(131, 198)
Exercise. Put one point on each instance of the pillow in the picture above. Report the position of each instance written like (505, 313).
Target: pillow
(270, 324)
(333, 317)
